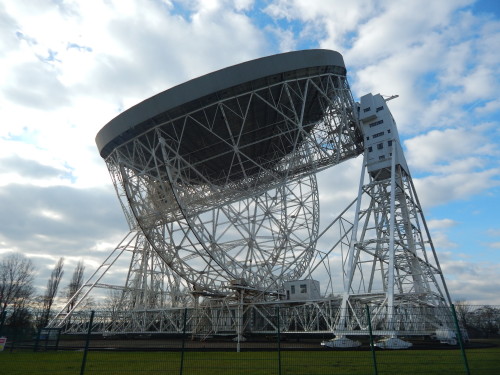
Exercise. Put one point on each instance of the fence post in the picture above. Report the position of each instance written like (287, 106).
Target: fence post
(183, 341)
(13, 342)
(87, 342)
(47, 336)
(2, 321)
(58, 338)
(278, 338)
(372, 344)
(460, 340)
(37, 341)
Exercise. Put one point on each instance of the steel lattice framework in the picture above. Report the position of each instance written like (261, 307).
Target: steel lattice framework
(217, 179)
(257, 220)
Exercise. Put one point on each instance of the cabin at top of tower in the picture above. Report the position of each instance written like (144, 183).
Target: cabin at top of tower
(380, 136)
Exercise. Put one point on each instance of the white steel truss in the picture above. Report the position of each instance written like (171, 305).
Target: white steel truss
(218, 245)
(223, 318)
(254, 221)
(391, 265)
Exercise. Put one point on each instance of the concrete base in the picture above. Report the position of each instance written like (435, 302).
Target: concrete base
(341, 342)
(393, 343)
(446, 336)
(240, 339)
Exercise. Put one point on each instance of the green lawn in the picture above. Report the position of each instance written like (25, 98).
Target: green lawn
(482, 361)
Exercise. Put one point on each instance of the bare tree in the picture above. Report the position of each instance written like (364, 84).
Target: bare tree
(51, 292)
(113, 302)
(486, 320)
(464, 310)
(73, 288)
(16, 286)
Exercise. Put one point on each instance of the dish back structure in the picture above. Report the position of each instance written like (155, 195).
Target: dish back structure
(217, 179)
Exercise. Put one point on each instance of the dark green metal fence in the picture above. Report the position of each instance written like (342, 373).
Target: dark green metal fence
(49, 351)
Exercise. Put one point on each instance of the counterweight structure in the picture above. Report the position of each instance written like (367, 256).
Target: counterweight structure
(217, 179)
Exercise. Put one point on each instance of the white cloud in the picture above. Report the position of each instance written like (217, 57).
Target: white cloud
(494, 232)
(476, 283)
(126, 53)
(286, 38)
(441, 240)
(439, 190)
(463, 146)
(489, 107)
(440, 237)
(457, 163)
(69, 67)
(433, 60)
(441, 224)
(330, 25)
(398, 29)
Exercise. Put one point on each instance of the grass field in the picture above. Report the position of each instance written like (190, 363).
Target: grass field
(481, 361)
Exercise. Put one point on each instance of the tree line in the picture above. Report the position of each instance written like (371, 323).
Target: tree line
(479, 321)
(20, 305)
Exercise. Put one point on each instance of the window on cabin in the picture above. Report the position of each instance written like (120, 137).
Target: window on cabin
(303, 288)
(292, 289)
(373, 124)
(380, 146)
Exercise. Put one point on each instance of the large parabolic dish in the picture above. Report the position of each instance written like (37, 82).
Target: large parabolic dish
(220, 172)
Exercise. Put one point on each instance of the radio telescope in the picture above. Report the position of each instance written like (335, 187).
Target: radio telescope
(217, 179)
(219, 172)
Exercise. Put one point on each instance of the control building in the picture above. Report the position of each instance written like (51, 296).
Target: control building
(302, 290)
(380, 132)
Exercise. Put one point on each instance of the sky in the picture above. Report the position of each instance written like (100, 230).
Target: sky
(68, 67)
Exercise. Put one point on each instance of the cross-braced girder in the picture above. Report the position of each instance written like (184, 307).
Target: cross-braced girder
(223, 317)
(239, 200)
(149, 284)
(222, 201)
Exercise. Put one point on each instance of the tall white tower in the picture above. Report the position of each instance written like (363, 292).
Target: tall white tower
(391, 265)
